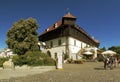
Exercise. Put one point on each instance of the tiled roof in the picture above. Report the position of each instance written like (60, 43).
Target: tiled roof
(53, 27)
(57, 24)
(68, 15)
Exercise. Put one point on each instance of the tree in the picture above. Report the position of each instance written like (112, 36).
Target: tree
(115, 48)
(103, 49)
(23, 36)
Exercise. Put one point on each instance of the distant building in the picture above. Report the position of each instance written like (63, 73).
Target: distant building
(66, 37)
(6, 52)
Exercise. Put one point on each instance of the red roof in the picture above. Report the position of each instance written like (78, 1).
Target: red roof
(53, 27)
(68, 15)
(57, 24)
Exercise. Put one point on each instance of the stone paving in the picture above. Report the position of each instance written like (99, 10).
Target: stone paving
(87, 72)
(23, 71)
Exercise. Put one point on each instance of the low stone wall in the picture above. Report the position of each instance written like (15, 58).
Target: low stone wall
(25, 67)
(36, 67)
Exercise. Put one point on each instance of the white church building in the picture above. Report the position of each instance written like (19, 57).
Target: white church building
(66, 37)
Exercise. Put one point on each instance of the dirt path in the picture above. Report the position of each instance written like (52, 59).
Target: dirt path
(87, 72)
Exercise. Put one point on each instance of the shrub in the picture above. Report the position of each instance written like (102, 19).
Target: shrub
(84, 60)
(100, 59)
(36, 62)
(2, 60)
(33, 58)
(118, 55)
(19, 60)
(65, 56)
(69, 60)
(49, 61)
(84, 57)
(78, 61)
(15, 60)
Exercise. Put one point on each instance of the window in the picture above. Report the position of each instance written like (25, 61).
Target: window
(81, 45)
(51, 44)
(59, 42)
(74, 42)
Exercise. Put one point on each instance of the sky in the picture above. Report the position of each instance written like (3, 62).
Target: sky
(99, 18)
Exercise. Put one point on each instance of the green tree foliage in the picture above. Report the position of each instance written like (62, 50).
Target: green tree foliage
(103, 49)
(22, 36)
(115, 49)
(2, 60)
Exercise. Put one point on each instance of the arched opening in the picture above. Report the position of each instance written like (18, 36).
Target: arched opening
(49, 53)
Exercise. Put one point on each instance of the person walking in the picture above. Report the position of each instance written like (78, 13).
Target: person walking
(115, 62)
(106, 62)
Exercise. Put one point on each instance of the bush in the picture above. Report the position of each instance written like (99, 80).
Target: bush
(78, 61)
(19, 60)
(65, 56)
(35, 62)
(33, 58)
(2, 60)
(69, 60)
(118, 55)
(100, 59)
(15, 60)
(84, 60)
(49, 61)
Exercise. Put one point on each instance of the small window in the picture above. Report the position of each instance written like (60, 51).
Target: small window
(59, 42)
(74, 42)
(81, 45)
(51, 44)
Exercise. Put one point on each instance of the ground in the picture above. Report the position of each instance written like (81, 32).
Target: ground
(86, 72)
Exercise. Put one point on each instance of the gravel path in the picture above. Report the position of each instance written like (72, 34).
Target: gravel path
(87, 72)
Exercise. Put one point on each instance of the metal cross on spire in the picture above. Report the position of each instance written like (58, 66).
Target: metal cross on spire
(68, 10)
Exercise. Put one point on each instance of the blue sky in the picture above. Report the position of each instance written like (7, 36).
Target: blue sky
(100, 18)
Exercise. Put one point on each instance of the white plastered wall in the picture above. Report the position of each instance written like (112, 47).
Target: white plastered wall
(57, 49)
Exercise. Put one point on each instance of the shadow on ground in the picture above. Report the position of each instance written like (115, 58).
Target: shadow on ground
(99, 68)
